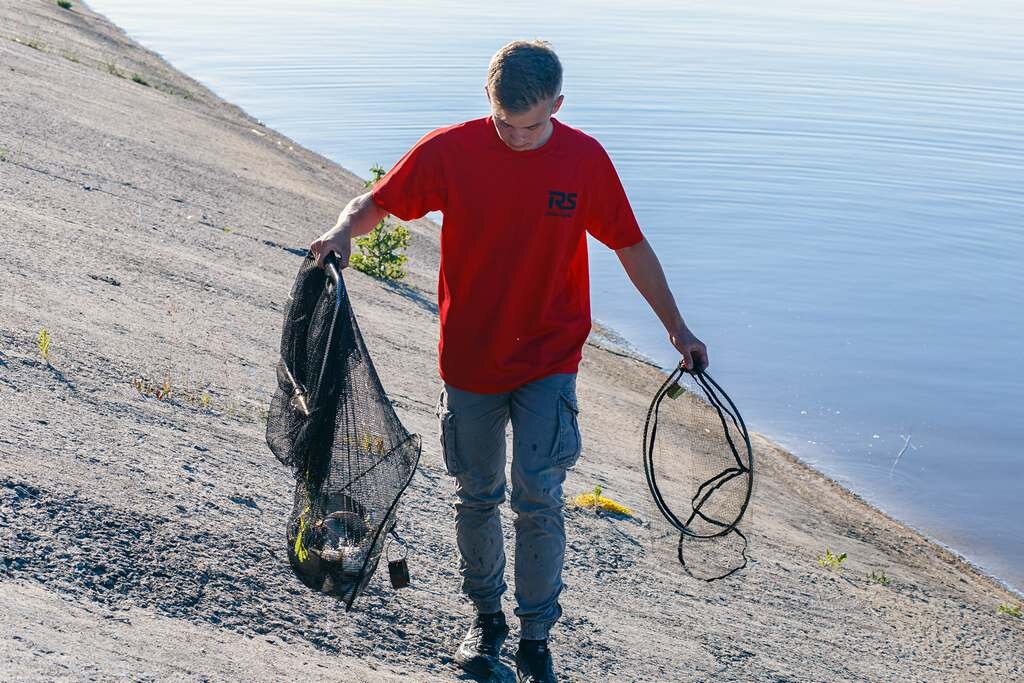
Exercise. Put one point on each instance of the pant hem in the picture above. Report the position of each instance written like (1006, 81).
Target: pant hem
(534, 630)
(487, 607)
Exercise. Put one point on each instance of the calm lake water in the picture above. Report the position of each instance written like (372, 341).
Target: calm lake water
(835, 190)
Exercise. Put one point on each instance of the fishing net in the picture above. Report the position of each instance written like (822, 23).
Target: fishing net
(699, 466)
(332, 423)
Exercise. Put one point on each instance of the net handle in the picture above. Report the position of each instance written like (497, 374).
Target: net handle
(331, 266)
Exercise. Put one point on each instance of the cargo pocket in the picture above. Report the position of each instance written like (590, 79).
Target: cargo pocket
(569, 442)
(446, 419)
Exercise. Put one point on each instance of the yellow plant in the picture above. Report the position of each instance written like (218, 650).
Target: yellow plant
(595, 501)
(300, 549)
(43, 344)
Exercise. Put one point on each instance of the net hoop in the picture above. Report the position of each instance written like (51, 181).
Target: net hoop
(717, 399)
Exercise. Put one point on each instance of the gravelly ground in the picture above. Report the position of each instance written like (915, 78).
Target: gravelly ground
(154, 232)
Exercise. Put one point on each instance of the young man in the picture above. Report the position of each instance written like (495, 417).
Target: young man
(519, 191)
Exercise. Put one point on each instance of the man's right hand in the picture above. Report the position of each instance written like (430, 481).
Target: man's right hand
(337, 240)
(359, 217)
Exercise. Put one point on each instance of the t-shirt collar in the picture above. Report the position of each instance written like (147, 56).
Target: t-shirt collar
(549, 144)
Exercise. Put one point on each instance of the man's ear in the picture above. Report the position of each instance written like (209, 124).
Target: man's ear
(558, 103)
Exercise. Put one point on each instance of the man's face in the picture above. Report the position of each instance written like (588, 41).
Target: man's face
(525, 130)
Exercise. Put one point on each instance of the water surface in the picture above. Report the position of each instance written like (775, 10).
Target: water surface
(834, 191)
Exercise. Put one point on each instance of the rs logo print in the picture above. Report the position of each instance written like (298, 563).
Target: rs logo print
(561, 200)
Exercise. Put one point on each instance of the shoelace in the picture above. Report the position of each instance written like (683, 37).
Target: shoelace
(483, 628)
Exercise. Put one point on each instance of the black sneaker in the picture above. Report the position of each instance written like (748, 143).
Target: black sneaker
(533, 662)
(480, 650)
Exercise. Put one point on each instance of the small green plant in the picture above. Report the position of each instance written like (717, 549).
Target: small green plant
(880, 578)
(1010, 610)
(112, 68)
(4, 154)
(70, 57)
(378, 172)
(830, 560)
(227, 230)
(140, 80)
(43, 344)
(378, 251)
(64, 4)
(377, 255)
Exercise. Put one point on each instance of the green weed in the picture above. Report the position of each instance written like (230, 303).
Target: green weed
(830, 560)
(1010, 610)
(377, 253)
(64, 4)
(378, 172)
(112, 69)
(43, 344)
(70, 57)
(879, 578)
(140, 80)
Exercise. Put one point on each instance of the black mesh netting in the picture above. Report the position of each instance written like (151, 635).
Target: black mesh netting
(699, 466)
(332, 423)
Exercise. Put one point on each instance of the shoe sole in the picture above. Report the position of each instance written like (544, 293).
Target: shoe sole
(485, 667)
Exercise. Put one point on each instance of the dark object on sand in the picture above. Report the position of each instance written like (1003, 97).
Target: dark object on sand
(332, 423)
(705, 468)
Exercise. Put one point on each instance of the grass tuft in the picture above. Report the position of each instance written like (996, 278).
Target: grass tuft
(1009, 610)
(112, 69)
(64, 4)
(188, 394)
(830, 560)
(880, 578)
(140, 80)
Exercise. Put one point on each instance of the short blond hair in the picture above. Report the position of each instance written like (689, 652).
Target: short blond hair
(523, 74)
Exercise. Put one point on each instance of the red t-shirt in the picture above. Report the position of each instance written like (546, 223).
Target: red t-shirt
(513, 290)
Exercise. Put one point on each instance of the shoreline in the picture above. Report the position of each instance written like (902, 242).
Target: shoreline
(213, 228)
(621, 345)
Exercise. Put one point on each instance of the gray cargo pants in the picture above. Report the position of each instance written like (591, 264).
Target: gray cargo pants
(545, 443)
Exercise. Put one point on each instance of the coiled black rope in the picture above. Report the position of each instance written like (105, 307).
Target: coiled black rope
(727, 412)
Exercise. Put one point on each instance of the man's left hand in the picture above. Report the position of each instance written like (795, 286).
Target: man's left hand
(695, 354)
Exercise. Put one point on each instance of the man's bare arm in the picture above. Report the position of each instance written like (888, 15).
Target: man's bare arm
(644, 270)
(359, 217)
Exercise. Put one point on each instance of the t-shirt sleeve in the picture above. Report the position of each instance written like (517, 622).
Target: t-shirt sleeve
(609, 217)
(415, 185)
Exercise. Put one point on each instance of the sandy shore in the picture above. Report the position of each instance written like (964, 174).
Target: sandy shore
(153, 230)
